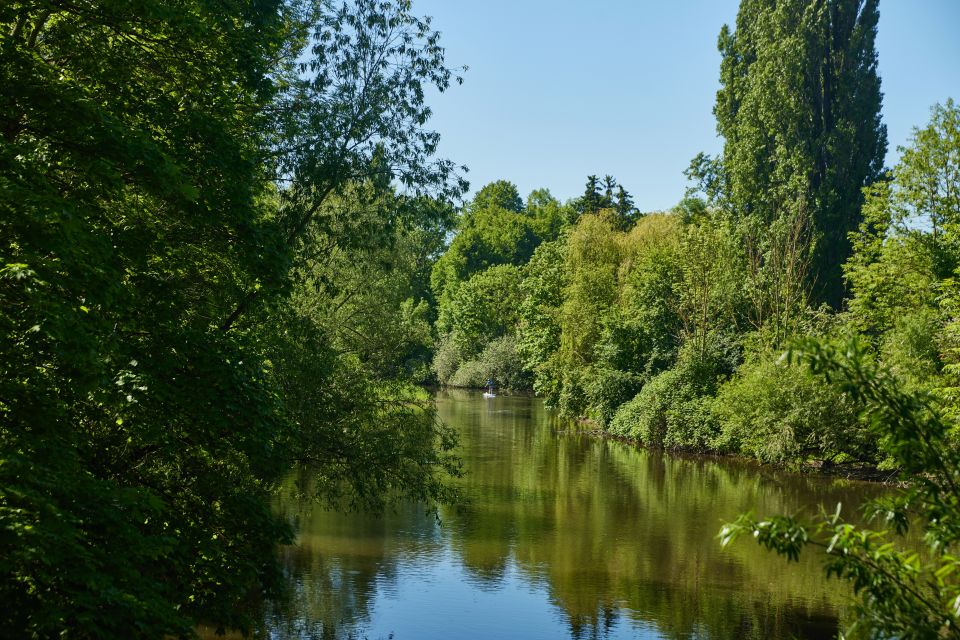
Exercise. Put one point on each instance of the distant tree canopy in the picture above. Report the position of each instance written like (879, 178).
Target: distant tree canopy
(608, 195)
(496, 227)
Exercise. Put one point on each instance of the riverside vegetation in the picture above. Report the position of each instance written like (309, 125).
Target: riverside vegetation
(225, 254)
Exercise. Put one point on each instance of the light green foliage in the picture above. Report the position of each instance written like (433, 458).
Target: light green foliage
(605, 311)
(594, 252)
(928, 174)
(498, 362)
(483, 309)
(799, 109)
(446, 358)
(640, 333)
(911, 349)
(494, 229)
(711, 294)
(908, 240)
(778, 258)
(779, 411)
(549, 216)
(906, 254)
(900, 593)
(892, 268)
(539, 328)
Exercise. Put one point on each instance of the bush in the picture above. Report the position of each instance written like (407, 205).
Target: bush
(899, 593)
(607, 389)
(778, 412)
(470, 374)
(572, 398)
(499, 361)
(911, 349)
(446, 359)
(672, 410)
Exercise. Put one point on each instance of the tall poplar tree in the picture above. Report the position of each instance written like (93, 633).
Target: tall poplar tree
(799, 109)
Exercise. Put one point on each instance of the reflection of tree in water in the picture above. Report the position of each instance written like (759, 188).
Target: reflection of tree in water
(337, 567)
(625, 535)
(617, 538)
(593, 627)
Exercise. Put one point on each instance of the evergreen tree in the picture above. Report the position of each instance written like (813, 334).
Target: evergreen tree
(799, 108)
(626, 211)
(609, 184)
(591, 201)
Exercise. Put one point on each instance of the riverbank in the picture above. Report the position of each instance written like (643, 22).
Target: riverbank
(857, 471)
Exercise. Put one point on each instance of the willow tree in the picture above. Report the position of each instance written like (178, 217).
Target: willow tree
(799, 109)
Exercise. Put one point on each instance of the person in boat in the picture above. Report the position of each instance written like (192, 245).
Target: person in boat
(490, 386)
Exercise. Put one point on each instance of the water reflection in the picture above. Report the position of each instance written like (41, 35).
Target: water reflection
(563, 535)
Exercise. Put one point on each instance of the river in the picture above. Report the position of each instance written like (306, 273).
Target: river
(563, 535)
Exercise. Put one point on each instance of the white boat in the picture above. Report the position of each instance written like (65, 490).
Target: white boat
(487, 394)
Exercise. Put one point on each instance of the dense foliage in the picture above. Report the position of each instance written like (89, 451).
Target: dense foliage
(186, 191)
(810, 159)
(902, 593)
(668, 328)
(228, 249)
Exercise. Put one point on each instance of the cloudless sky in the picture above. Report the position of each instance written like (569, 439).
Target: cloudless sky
(559, 89)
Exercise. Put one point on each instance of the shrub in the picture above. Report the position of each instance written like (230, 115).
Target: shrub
(777, 412)
(446, 359)
(499, 361)
(911, 349)
(672, 410)
(607, 389)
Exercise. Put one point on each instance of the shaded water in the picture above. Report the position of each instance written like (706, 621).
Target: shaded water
(564, 536)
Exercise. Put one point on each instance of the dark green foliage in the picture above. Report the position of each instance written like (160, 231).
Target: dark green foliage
(607, 389)
(539, 327)
(156, 381)
(608, 195)
(485, 307)
(673, 409)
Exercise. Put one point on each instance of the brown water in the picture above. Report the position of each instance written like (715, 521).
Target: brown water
(564, 536)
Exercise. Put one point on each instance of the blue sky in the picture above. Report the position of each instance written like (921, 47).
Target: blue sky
(560, 89)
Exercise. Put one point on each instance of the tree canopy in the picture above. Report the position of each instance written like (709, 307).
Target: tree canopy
(168, 174)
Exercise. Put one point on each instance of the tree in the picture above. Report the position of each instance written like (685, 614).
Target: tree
(613, 197)
(908, 244)
(819, 57)
(539, 326)
(162, 167)
(494, 229)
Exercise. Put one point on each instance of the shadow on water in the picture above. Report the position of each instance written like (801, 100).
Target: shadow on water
(563, 535)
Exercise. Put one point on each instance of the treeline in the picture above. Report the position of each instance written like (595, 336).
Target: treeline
(215, 224)
(669, 328)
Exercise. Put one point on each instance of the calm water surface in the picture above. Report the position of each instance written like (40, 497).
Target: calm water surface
(564, 536)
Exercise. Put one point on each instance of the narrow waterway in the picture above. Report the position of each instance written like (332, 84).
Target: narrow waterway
(563, 536)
